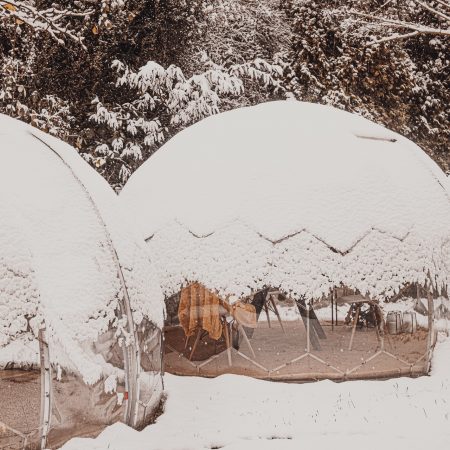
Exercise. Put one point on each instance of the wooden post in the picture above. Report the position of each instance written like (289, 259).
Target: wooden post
(186, 343)
(375, 309)
(197, 339)
(266, 309)
(382, 332)
(227, 340)
(355, 322)
(332, 310)
(308, 330)
(275, 309)
(335, 310)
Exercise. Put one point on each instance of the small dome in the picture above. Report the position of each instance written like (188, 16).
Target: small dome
(71, 264)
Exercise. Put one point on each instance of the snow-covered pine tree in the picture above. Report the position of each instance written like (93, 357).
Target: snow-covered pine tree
(157, 101)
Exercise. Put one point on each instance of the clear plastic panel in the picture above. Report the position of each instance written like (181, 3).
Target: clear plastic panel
(85, 410)
(272, 336)
(150, 376)
(78, 409)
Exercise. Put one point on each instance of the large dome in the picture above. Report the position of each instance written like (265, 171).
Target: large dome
(295, 195)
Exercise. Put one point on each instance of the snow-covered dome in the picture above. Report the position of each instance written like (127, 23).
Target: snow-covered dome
(293, 195)
(67, 255)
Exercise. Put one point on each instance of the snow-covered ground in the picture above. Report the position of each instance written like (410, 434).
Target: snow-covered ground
(234, 412)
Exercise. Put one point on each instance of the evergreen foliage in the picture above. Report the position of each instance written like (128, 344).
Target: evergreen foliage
(116, 78)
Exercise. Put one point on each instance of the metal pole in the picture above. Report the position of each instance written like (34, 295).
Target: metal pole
(430, 327)
(46, 388)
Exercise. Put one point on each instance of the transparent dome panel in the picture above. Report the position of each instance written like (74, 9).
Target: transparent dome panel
(270, 335)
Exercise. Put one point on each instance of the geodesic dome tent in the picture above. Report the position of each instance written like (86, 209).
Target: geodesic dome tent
(257, 215)
(80, 307)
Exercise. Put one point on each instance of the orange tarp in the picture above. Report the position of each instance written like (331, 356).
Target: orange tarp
(200, 308)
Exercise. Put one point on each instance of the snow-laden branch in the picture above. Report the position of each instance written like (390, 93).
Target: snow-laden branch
(391, 27)
(395, 37)
(443, 3)
(162, 99)
(402, 24)
(51, 20)
(433, 10)
(415, 29)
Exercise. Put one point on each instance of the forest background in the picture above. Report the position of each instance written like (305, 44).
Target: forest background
(117, 78)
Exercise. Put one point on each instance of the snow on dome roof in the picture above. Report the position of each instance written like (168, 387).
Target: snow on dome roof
(296, 195)
(62, 245)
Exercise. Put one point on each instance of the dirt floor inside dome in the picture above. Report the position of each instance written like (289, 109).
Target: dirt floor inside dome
(19, 407)
(281, 355)
(20, 411)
